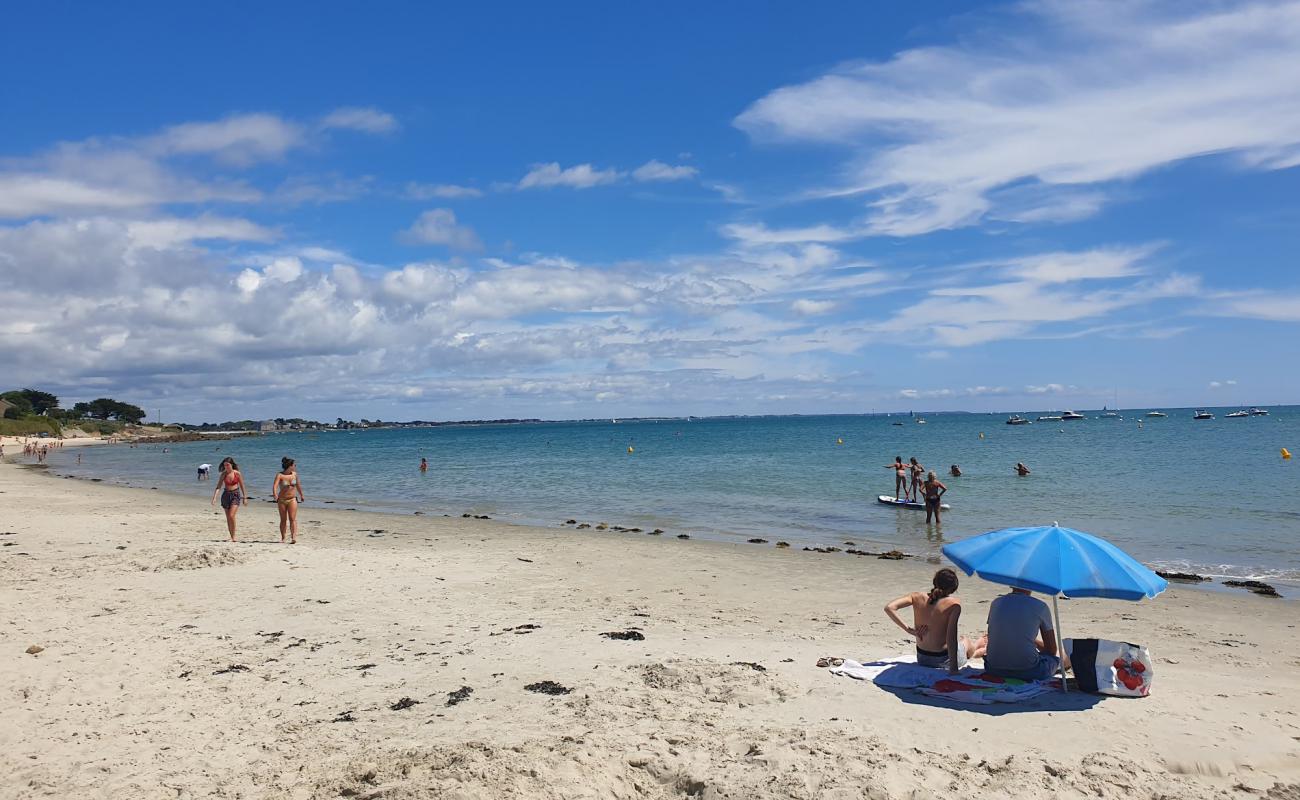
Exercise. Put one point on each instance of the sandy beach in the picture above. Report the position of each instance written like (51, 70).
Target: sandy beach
(387, 657)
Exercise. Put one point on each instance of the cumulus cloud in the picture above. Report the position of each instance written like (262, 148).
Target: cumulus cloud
(1085, 94)
(580, 176)
(1222, 384)
(366, 120)
(439, 226)
(806, 307)
(441, 191)
(658, 171)
(239, 140)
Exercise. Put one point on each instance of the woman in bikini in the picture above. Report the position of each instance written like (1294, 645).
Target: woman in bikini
(900, 477)
(230, 486)
(287, 490)
(918, 473)
(933, 493)
(934, 616)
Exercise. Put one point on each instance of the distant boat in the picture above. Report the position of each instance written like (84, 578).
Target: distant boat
(1071, 415)
(899, 424)
(1106, 413)
(1202, 414)
(1259, 412)
(1236, 414)
(1050, 418)
(1016, 419)
(920, 420)
(1156, 414)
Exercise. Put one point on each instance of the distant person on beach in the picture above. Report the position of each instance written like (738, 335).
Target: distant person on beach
(918, 477)
(954, 471)
(232, 490)
(1021, 639)
(204, 469)
(1021, 469)
(424, 465)
(934, 623)
(934, 491)
(287, 491)
(900, 477)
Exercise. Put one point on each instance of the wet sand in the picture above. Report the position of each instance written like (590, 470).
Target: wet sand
(409, 656)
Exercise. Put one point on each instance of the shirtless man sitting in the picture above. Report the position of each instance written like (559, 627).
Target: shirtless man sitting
(934, 616)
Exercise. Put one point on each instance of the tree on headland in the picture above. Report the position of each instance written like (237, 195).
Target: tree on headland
(106, 408)
(32, 401)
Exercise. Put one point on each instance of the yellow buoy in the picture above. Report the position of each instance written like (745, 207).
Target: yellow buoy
(839, 441)
(630, 450)
(1286, 454)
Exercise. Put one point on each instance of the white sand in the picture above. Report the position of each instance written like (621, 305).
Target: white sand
(138, 604)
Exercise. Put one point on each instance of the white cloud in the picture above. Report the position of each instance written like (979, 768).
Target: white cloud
(580, 176)
(805, 307)
(658, 171)
(366, 120)
(1221, 384)
(239, 140)
(1283, 306)
(1077, 95)
(444, 191)
(439, 226)
(163, 233)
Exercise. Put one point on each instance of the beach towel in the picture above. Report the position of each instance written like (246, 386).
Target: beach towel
(972, 685)
(1119, 669)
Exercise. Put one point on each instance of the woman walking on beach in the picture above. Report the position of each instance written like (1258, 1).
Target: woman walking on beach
(287, 491)
(232, 490)
(934, 617)
(934, 491)
(900, 477)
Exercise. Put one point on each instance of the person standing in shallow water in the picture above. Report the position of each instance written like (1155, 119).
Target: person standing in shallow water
(934, 491)
(424, 465)
(900, 477)
(287, 491)
(232, 490)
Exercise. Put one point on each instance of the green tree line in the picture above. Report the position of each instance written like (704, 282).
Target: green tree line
(25, 403)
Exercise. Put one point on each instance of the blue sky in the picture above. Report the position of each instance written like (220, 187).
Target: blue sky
(594, 210)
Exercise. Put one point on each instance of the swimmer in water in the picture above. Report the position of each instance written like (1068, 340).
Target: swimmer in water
(954, 471)
(1021, 469)
(424, 465)
(900, 477)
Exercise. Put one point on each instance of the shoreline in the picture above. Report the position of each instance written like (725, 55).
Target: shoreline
(1287, 589)
(176, 665)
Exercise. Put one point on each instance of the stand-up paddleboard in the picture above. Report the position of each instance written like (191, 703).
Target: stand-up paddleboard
(885, 499)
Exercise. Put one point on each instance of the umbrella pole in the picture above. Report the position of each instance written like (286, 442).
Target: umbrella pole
(1060, 643)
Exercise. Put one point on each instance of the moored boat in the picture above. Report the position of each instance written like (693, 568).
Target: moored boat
(1016, 419)
(1071, 415)
(1202, 414)
(1156, 414)
(1259, 412)
(1050, 418)
(1236, 414)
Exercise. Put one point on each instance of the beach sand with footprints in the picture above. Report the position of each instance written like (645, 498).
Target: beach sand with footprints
(417, 656)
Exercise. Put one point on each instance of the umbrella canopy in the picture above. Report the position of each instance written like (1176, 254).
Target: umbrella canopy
(1055, 560)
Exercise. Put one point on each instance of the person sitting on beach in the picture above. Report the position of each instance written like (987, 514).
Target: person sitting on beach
(954, 471)
(1021, 469)
(934, 491)
(900, 477)
(287, 491)
(1021, 640)
(934, 616)
(232, 490)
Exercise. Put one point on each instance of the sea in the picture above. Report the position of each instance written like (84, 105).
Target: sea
(1208, 496)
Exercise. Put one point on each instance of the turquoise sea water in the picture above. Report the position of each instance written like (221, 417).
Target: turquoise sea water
(1210, 496)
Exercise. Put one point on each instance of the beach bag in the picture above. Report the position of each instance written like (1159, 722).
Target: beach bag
(1114, 668)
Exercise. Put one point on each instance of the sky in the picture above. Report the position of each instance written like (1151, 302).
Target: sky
(463, 211)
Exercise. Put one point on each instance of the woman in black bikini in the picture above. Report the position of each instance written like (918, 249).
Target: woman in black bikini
(287, 490)
(935, 615)
(933, 493)
(230, 486)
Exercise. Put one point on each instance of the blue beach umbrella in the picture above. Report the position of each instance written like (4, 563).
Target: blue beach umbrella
(1056, 561)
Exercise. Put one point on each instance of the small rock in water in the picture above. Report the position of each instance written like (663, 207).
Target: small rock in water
(683, 536)
(627, 636)
(1188, 577)
(34, 649)
(584, 526)
(657, 531)
(467, 515)
(548, 687)
(1258, 587)
(633, 530)
(782, 544)
(600, 526)
(570, 522)
(851, 544)
(757, 541)
(459, 696)
(893, 555)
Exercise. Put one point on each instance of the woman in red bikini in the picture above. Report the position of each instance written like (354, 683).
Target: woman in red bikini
(230, 486)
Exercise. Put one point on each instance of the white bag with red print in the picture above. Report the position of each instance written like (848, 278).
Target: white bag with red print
(1115, 668)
